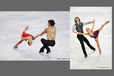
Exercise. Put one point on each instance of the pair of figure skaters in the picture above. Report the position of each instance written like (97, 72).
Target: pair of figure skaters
(51, 34)
(78, 29)
(50, 41)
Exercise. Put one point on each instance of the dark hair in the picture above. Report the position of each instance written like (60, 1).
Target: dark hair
(52, 22)
(28, 43)
(78, 18)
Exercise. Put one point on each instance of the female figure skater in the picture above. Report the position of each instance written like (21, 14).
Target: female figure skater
(51, 34)
(94, 34)
(26, 37)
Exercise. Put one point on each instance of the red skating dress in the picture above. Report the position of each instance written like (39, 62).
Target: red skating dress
(24, 34)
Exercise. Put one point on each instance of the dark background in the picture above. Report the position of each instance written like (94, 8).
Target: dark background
(48, 68)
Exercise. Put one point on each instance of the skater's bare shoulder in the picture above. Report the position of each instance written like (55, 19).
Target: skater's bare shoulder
(46, 29)
(54, 27)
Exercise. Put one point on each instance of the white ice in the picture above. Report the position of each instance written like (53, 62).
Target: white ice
(12, 24)
(94, 60)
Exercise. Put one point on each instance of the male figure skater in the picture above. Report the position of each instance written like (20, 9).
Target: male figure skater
(51, 34)
(78, 27)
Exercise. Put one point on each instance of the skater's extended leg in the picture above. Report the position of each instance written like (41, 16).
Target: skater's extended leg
(42, 49)
(16, 46)
(44, 41)
(88, 43)
(98, 45)
(82, 45)
(48, 49)
(103, 26)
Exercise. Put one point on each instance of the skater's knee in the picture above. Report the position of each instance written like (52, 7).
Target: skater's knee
(43, 41)
(53, 45)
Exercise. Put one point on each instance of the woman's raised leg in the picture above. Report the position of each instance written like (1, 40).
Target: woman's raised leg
(103, 26)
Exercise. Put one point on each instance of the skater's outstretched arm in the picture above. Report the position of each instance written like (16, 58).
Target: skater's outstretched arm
(36, 36)
(82, 33)
(86, 23)
(25, 29)
(74, 29)
(16, 46)
(42, 33)
(93, 25)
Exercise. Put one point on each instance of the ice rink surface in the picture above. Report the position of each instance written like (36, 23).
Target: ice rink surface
(12, 23)
(94, 60)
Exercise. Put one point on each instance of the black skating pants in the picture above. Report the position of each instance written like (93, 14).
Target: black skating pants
(46, 44)
(83, 39)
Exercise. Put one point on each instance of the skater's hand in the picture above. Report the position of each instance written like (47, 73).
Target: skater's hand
(27, 26)
(107, 21)
(77, 32)
(93, 20)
